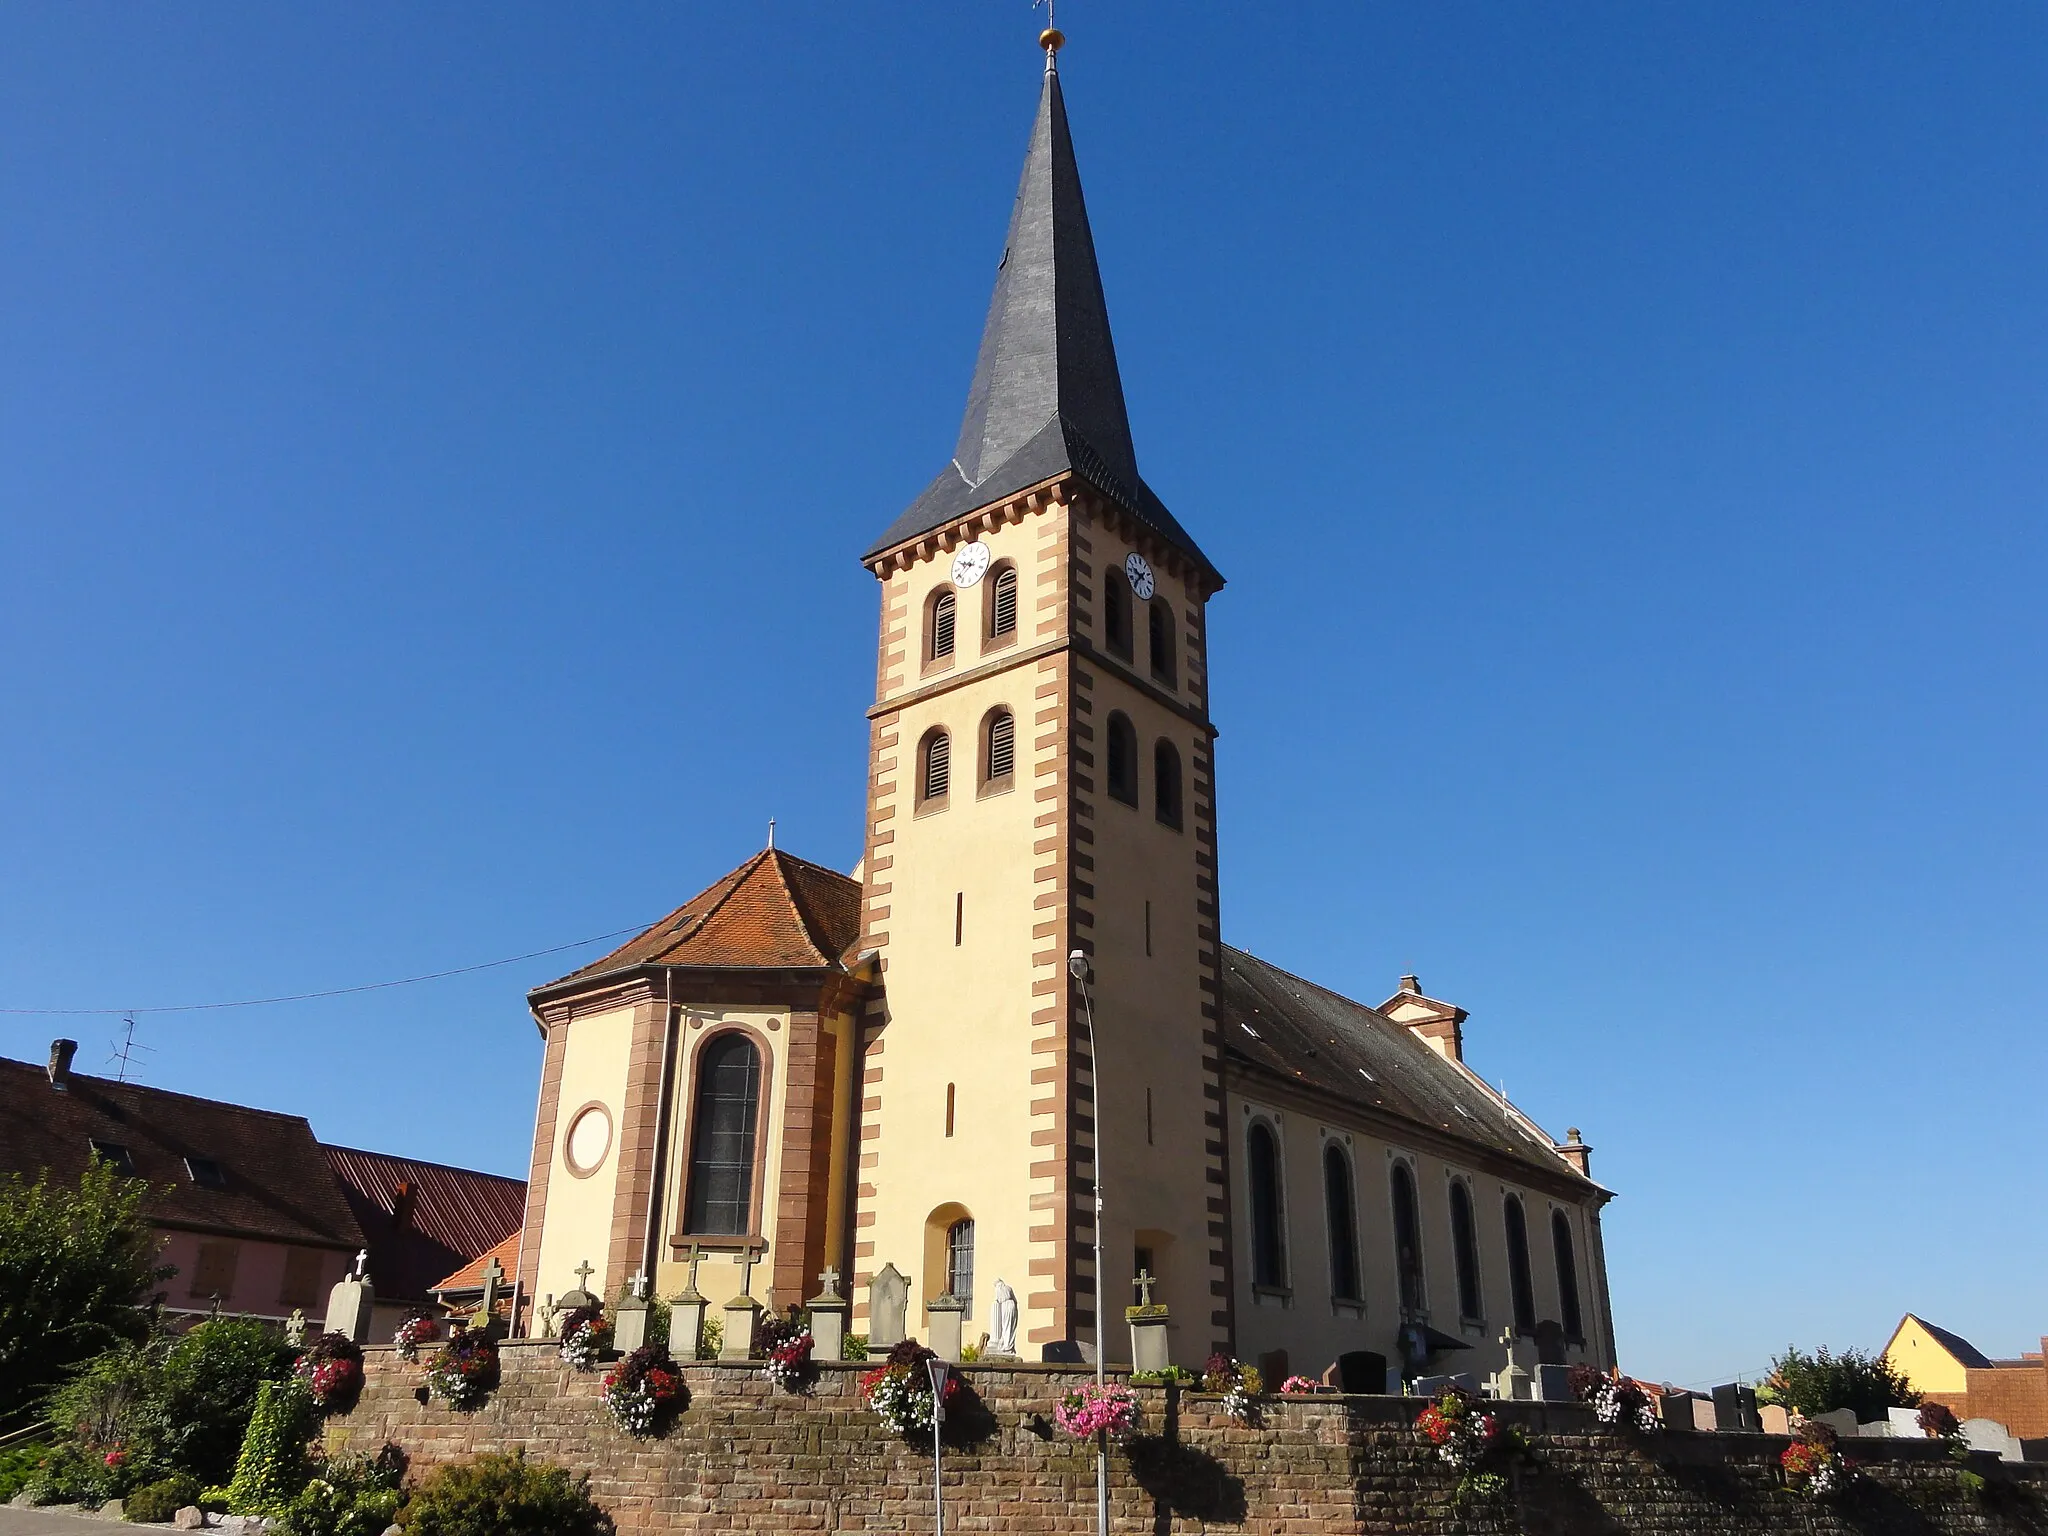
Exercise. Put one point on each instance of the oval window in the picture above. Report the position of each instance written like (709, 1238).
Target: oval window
(589, 1139)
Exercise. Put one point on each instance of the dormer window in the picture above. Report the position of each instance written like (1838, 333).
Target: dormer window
(114, 1155)
(206, 1173)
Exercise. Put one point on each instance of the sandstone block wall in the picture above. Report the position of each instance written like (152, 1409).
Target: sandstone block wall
(745, 1457)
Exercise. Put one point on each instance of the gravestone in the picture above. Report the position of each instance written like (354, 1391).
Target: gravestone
(1061, 1352)
(1553, 1383)
(1675, 1408)
(1512, 1382)
(1875, 1429)
(1905, 1423)
(1735, 1408)
(828, 1318)
(942, 1318)
(629, 1319)
(1550, 1342)
(295, 1328)
(1148, 1327)
(1273, 1368)
(1776, 1419)
(1467, 1381)
(351, 1302)
(1431, 1386)
(888, 1309)
(1002, 1344)
(1360, 1371)
(1990, 1435)
(686, 1313)
(742, 1313)
(1841, 1420)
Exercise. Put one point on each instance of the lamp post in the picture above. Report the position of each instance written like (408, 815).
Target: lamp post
(1077, 967)
(937, 1370)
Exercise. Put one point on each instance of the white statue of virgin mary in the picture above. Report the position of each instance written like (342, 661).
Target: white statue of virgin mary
(1003, 1325)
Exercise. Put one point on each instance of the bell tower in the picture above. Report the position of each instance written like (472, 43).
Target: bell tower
(1040, 781)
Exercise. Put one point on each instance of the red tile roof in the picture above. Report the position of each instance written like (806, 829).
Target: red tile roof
(276, 1183)
(774, 911)
(421, 1219)
(471, 1276)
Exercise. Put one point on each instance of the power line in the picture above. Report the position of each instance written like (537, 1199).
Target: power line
(306, 997)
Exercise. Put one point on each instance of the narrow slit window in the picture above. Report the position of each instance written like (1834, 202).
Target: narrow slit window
(1002, 605)
(949, 1109)
(944, 610)
(1148, 930)
(959, 917)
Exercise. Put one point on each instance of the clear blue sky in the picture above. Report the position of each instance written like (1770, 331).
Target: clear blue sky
(1622, 426)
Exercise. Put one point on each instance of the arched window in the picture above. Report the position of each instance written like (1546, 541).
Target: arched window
(934, 767)
(1161, 624)
(1465, 1249)
(1519, 1284)
(944, 610)
(1407, 1239)
(1343, 1224)
(1002, 602)
(960, 1263)
(1567, 1275)
(1166, 783)
(721, 1194)
(1116, 613)
(999, 747)
(1262, 1169)
(1123, 760)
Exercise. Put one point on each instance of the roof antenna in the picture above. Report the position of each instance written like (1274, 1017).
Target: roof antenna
(771, 833)
(123, 1056)
(1051, 38)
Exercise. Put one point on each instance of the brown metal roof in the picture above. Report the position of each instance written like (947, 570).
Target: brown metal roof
(420, 1220)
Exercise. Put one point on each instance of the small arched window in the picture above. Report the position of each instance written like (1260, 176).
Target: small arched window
(1123, 760)
(1166, 783)
(1567, 1276)
(1465, 1249)
(1116, 613)
(945, 609)
(1343, 1224)
(934, 767)
(999, 750)
(1262, 1170)
(1520, 1287)
(1002, 602)
(1160, 622)
(960, 1263)
(721, 1192)
(1407, 1239)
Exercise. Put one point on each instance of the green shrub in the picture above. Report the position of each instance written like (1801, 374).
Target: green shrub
(1824, 1381)
(18, 1468)
(161, 1499)
(70, 1474)
(208, 1390)
(348, 1496)
(856, 1346)
(111, 1416)
(272, 1467)
(712, 1339)
(503, 1496)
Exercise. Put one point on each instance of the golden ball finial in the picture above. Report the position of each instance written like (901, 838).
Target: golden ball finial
(1051, 39)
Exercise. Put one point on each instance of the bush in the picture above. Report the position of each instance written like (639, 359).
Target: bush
(111, 1415)
(76, 1267)
(18, 1469)
(349, 1496)
(272, 1467)
(503, 1496)
(161, 1499)
(1824, 1381)
(210, 1379)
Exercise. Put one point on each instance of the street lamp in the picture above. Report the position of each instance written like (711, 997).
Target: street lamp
(1077, 967)
(937, 1370)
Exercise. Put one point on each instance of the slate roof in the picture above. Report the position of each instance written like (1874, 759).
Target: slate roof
(775, 911)
(421, 1219)
(1296, 1029)
(278, 1185)
(1964, 1351)
(1046, 396)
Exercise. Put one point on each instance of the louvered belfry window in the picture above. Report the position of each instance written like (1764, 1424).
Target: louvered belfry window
(1123, 760)
(938, 765)
(1002, 617)
(942, 625)
(1166, 784)
(1116, 613)
(721, 1197)
(1160, 623)
(1002, 745)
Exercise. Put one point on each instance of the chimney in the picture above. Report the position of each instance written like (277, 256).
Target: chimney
(1411, 984)
(61, 1052)
(1577, 1153)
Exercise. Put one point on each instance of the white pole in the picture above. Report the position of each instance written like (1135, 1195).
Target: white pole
(1077, 964)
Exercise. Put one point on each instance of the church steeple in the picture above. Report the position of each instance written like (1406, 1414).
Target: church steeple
(1046, 395)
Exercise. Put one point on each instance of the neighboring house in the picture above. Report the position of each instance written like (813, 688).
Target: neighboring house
(420, 1221)
(462, 1293)
(1952, 1371)
(249, 1213)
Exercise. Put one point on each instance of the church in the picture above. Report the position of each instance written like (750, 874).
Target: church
(1023, 986)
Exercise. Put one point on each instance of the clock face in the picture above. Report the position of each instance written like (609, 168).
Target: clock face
(1139, 574)
(970, 564)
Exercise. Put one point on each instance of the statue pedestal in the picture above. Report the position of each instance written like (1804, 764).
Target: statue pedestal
(943, 1315)
(1149, 1350)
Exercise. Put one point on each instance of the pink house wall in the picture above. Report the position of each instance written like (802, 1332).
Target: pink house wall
(259, 1276)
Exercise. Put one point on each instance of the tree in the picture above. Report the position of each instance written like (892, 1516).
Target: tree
(1824, 1381)
(76, 1266)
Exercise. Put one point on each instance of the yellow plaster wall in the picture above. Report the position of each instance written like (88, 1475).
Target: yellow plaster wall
(1924, 1360)
(578, 1221)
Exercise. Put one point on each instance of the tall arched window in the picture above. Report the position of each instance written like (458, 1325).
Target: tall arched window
(999, 747)
(934, 766)
(1343, 1224)
(1002, 602)
(1465, 1249)
(960, 1263)
(1262, 1171)
(1122, 766)
(945, 608)
(1166, 783)
(1116, 613)
(1407, 1239)
(721, 1193)
(1567, 1276)
(1160, 624)
(1520, 1286)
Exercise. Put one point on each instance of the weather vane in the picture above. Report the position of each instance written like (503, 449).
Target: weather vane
(1051, 38)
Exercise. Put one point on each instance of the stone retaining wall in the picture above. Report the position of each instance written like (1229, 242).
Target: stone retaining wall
(745, 1457)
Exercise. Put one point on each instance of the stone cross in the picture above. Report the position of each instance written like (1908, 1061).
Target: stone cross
(583, 1272)
(494, 1273)
(696, 1255)
(1144, 1280)
(829, 1282)
(362, 1266)
(748, 1259)
(637, 1286)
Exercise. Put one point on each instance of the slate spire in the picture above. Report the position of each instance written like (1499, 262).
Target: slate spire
(1046, 394)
